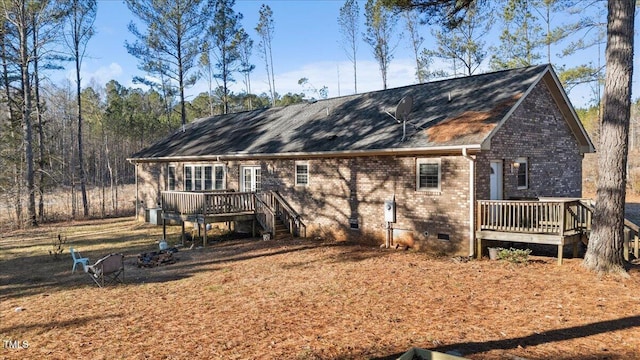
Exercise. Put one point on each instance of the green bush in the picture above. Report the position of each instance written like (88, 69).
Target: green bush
(514, 255)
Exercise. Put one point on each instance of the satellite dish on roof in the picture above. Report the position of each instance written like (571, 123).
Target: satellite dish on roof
(402, 113)
(404, 107)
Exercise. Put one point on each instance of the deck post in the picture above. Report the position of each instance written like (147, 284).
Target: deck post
(273, 221)
(563, 218)
(478, 226)
(164, 229)
(204, 220)
(204, 236)
(625, 244)
(560, 251)
(636, 246)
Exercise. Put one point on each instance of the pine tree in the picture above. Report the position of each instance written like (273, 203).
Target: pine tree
(169, 46)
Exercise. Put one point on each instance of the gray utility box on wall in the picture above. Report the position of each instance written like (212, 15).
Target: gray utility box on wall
(390, 211)
(155, 216)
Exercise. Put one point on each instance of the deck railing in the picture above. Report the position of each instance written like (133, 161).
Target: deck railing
(540, 217)
(552, 216)
(266, 206)
(207, 203)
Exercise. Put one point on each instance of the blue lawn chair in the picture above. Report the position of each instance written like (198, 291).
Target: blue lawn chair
(77, 259)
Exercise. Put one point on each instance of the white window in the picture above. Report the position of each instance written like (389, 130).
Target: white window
(428, 175)
(171, 177)
(188, 178)
(251, 180)
(204, 177)
(208, 177)
(218, 180)
(197, 178)
(522, 166)
(302, 173)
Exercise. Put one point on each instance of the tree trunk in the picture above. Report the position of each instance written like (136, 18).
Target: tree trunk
(26, 115)
(38, 108)
(115, 189)
(605, 252)
(72, 171)
(13, 120)
(109, 170)
(273, 75)
(355, 74)
(183, 108)
(82, 173)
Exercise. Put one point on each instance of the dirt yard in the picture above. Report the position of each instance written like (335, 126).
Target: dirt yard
(306, 299)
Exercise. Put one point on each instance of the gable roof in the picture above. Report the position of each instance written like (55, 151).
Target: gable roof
(446, 115)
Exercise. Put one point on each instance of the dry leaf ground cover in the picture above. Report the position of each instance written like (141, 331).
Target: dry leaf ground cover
(305, 299)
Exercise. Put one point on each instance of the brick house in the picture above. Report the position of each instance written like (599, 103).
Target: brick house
(338, 162)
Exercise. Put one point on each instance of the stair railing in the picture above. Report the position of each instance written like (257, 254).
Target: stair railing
(265, 214)
(287, 215)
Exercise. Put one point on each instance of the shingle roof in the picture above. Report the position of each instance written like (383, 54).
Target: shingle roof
(454, 112)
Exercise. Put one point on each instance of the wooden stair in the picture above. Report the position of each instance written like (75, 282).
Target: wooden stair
(281, 232)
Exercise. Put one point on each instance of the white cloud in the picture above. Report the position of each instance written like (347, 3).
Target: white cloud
(101, 75)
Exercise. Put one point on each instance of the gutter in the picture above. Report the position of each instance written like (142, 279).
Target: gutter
(472, 202)
(313, 154)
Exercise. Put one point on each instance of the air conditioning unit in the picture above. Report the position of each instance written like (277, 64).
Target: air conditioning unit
(155, 216)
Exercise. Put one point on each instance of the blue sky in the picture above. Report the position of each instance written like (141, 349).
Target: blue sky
(306, 44)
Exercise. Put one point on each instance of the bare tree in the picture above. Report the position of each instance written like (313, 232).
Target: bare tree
(245, 47)
(204, 62)
(349, 20)
(19, 15)
(82, 14)
(45, 29)
(265, 29)
(412, 25)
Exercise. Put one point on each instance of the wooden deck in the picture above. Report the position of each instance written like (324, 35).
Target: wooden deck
(212, 207)
(551, 221)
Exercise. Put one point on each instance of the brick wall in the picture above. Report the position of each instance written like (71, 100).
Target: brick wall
(149, 186)
(342, 191)
(537, 131)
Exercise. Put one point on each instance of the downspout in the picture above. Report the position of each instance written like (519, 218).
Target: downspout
(137, 197)
(472, 202)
